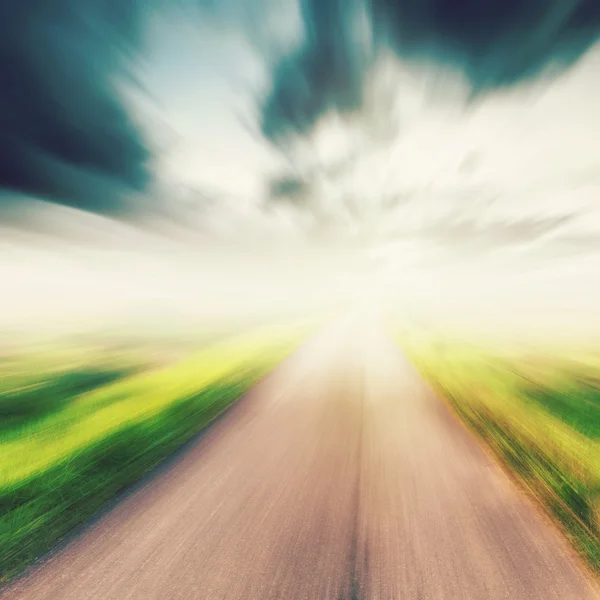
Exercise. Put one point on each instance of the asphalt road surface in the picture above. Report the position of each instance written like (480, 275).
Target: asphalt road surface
(340, 476)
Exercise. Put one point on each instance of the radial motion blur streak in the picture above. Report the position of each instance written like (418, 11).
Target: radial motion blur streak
(192, 191)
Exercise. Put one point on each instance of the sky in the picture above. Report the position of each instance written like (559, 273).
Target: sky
(442, 155)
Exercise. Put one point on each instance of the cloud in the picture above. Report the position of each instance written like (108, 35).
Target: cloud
(289, 189)
(325, 72)
(573, 245)
(493, 43)
(63, 127)
(467, 234)
(66, 134)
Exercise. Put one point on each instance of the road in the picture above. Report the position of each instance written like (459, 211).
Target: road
(340, 476)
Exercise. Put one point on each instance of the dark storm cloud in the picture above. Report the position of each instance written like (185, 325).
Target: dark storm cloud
(493, 42)
(64, 133)
(287, 186)
(325, 72)
(288, 189)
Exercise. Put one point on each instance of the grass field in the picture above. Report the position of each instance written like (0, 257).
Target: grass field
(75, 432)
(539, 412)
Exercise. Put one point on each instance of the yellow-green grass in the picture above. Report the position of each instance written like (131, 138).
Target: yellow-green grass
(539, 412)
(58, 470)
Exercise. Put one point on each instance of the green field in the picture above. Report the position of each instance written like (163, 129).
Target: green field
(539, 411)
(79, 428)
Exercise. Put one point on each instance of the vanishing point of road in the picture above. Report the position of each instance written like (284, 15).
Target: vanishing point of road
(340, 476)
